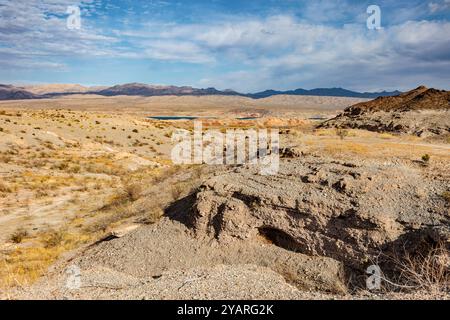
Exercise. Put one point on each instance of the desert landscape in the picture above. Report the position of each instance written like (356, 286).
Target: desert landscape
(87, 182)
(225, 158)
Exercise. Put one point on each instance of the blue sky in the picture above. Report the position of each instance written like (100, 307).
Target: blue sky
(247, 45)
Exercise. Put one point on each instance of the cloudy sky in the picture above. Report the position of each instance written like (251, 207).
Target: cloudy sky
(246, 45)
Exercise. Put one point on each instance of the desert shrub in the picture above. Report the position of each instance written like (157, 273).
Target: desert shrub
(446, 196)
(49, 145)
(61, 166)
(133, 190)
(40, 193)
(5, 158)
(135, 131)
(152, 215)
(114, 214)
(177, 191)
(53, 238)
(18, 236)
(426, 158)
(75, 169)
(342, 133)
(1, 129)
(5, 187)
(183, 188)
(428, 271)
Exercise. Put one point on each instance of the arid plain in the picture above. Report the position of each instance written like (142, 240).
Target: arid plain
(88, 180)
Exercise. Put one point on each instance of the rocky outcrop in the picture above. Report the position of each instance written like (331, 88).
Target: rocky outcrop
(422, 112)
(351, 212)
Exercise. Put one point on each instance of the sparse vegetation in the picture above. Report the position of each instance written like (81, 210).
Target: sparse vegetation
(18, 236)
(4, 187)
(423, 271)
(426, 159)
(177, 191)
(446, 196)
(342, 133)
(53, 238)
(88, 188)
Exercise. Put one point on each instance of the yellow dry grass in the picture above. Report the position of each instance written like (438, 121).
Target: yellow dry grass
(24, 265)
(346, 148)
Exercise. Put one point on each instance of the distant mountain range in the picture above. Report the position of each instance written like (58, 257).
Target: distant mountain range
(9, 92)
(325, 92)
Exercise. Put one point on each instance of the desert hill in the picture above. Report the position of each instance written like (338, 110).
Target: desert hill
(8, 92)
(45, 89)
(421, 112)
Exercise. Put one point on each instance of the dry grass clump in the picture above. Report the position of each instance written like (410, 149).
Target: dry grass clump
(426, 159)
(343, 148)
(5, 158)
(426, 271)
(134, 190)
(429, 272)
(153, 215)
(182, 189)
(110, 216)
(177, 191)
(24, 265)
(342, 133)
(446, 196)
(18, 236)
(105, 168)
(53, 238)
(5, 188)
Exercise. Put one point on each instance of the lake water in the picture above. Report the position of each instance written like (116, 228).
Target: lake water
(167, 118)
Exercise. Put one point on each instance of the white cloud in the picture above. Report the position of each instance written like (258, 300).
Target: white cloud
(278, 51)
(439, 6)
(35, 35)
(176, 51)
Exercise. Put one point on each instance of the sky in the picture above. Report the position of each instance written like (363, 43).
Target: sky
(246, 46)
